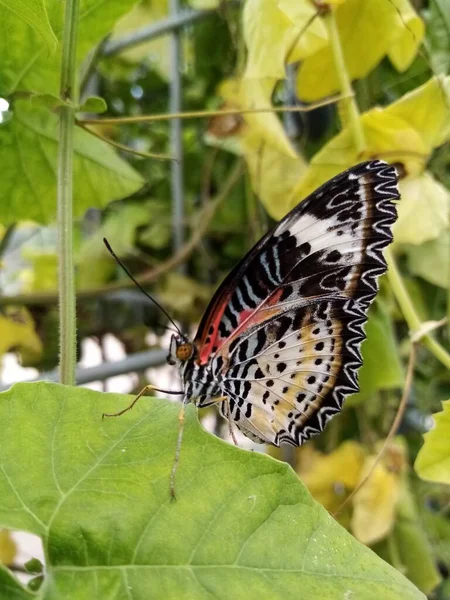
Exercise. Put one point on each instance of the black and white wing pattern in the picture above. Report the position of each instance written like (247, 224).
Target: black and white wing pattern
(283, 332)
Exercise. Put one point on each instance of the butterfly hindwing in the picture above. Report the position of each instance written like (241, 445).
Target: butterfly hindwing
(288, 376)
(288, 321)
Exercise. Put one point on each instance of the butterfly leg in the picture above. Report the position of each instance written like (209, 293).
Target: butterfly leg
(130, 406)
(230, 421)
(177, 450)
(228, 417)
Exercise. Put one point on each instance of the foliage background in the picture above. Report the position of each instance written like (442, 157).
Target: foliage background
(241, 172)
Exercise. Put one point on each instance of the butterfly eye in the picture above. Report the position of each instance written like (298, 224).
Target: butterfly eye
(184, 351)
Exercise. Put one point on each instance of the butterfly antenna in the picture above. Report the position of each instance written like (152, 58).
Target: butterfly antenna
(120, 263)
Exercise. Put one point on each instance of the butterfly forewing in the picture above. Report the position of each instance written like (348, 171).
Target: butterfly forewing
(287, 323)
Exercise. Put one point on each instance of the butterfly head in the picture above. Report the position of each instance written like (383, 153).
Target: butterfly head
(180, 351)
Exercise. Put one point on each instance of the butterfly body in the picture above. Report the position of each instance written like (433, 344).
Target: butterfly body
(280, 340)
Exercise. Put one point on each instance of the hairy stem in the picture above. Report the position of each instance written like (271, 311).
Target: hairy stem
(66, 280)
(350, 107)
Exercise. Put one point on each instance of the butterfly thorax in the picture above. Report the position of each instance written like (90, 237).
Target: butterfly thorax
(201, 383)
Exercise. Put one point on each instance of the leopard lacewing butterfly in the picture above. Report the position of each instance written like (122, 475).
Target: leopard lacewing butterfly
(278, 347)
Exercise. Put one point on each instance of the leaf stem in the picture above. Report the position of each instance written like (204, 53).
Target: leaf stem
(409, 311)
(348, 102)
(66, 280)
(201, 114)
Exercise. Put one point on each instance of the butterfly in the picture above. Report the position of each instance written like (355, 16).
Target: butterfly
(278, 347)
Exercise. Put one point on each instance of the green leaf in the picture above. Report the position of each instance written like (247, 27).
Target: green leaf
(382, 369)
(10, 588)
(34, 13)
(94, 104)
(26, 64)
(433, 460)
(409, 546)
(97, 492)
(430, 260)
(28, 152)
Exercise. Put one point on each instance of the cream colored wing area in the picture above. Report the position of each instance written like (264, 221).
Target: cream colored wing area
(282, 377)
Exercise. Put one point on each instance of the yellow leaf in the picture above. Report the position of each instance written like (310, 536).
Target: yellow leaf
(410, 34)
(331, 477)
(277, 32)
(273, 165)
(17, 333)
(433, 460)
(374, 504)
(8, 547)
(404, 132)
(368, 30)
(273, 175)
(422, 211)
(427, 110)
(257, 93)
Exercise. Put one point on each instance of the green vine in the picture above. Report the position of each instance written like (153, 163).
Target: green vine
(66, 279)
(353, 121)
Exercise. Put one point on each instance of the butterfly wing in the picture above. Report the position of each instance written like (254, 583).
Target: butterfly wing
(301, 296)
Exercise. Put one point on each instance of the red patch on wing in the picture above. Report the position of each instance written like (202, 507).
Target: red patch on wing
(247, 318)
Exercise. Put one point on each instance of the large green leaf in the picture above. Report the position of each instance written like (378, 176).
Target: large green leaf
(33, 13)
(243, 525)
(28, 153)
(26, 61)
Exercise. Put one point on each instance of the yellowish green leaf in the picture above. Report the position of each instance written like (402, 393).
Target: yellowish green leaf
(382, 369)
(274, 166)
(374, 504)
(94, 104)
(43, 276)
(411, 31)
(398, 133)
(380, 30)
(430, 260)
(17, 332)
(427, 110)
(423, 211)
(34, 13)
(256, 94)
(145, 13)
(277, 33)
(433, 460)
(273, 175)
(204, 4)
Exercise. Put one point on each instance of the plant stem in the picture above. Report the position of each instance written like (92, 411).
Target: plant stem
(206, 114)
(349, 103)
(409, 311)
(66, 280)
